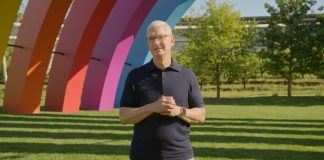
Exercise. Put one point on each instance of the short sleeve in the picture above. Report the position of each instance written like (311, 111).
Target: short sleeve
(195, 98)
(128, 96)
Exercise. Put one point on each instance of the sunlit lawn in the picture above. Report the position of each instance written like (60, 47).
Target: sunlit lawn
(237, 127)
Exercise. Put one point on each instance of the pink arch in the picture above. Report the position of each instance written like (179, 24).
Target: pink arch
(80, 32)
(112, 49)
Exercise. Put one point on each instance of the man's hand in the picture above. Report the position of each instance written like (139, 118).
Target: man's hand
(166, 106)
(170, 108)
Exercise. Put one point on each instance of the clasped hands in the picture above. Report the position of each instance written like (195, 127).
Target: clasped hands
(166, 106)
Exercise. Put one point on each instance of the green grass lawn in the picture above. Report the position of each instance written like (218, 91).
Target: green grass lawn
(252, 128)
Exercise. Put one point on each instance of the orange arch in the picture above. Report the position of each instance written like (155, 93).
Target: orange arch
(38, 31)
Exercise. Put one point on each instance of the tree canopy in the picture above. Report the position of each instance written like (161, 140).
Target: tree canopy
(291, 41)
(216, 41)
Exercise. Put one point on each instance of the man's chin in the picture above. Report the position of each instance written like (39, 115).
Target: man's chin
(158, 54)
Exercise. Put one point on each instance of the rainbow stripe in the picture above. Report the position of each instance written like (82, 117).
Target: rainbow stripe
(101, 41)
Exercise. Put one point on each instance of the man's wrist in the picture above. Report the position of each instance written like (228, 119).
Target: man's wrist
(183, 112)
(150, 107)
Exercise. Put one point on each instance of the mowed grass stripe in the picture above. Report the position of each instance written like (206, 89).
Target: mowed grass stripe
(64, 141)
(266, 127)
(44, 125)
(261, 146)
(102, 120)
(265, 135)
(257, 139)
(65, 126)
(65, 135)
(234, 131)
(266, 122)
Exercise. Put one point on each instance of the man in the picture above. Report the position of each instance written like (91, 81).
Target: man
(161, 99)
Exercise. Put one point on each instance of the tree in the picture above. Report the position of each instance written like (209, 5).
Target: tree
(246, 67)
(317, 61)
(288, 39)
(202, 76)
(262, 62)
(214, 39)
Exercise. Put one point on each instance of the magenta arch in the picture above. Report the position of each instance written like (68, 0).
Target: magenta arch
(81, 30)
(90, 54)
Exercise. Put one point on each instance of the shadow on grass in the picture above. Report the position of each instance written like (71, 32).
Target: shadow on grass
(63, 126)
(65, 135)
(268, 124)
(252, 120)
(74, 115)
(42, 122)
(89, 128)
(11, 157)
(254, 130)
(259, 154)
(98, 149)
(299, 133)
(253, 139)
(265, 101)
(83, 130)
(37, 118)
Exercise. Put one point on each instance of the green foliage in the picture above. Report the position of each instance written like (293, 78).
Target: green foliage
(317, 58)
(290, 40)
(216, 40)
(246, 67)
(202, 76)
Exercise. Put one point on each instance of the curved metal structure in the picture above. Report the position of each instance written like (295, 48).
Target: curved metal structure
(112, 48)
(37, 34)
(8, 14)
(101, 41)
(78, 38)
(139, 53)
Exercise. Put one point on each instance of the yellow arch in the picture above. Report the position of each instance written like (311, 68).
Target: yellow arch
(8, 14)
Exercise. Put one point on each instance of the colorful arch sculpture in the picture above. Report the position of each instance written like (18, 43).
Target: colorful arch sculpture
(81, 30)
(91, 50)
(112, 48)
(139, 53)
(37, 34)
(8, 14)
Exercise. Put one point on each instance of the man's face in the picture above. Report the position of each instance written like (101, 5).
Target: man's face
(159, 41)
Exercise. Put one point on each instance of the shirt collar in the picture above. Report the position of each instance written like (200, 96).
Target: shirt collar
(174, 66)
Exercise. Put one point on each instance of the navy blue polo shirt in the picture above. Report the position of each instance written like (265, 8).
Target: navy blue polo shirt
(157, 136)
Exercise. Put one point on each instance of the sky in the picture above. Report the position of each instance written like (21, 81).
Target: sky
(248, 8)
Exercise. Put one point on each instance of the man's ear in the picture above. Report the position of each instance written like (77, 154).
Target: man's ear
(172, 40)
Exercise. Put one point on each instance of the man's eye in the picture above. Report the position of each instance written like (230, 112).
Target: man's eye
(157, 37)
(153, 38)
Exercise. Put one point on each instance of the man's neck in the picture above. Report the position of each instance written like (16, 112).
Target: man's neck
(162, 63)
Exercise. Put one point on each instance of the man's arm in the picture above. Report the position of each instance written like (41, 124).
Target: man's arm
(130, 115)
(194, 115)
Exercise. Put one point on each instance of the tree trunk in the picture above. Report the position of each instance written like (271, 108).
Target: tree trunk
(218, 75)
(289, 85)
(261, 71)
(244, 83)
(218, 83)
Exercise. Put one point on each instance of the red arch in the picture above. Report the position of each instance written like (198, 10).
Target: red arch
(77, 41)
(39, 28)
